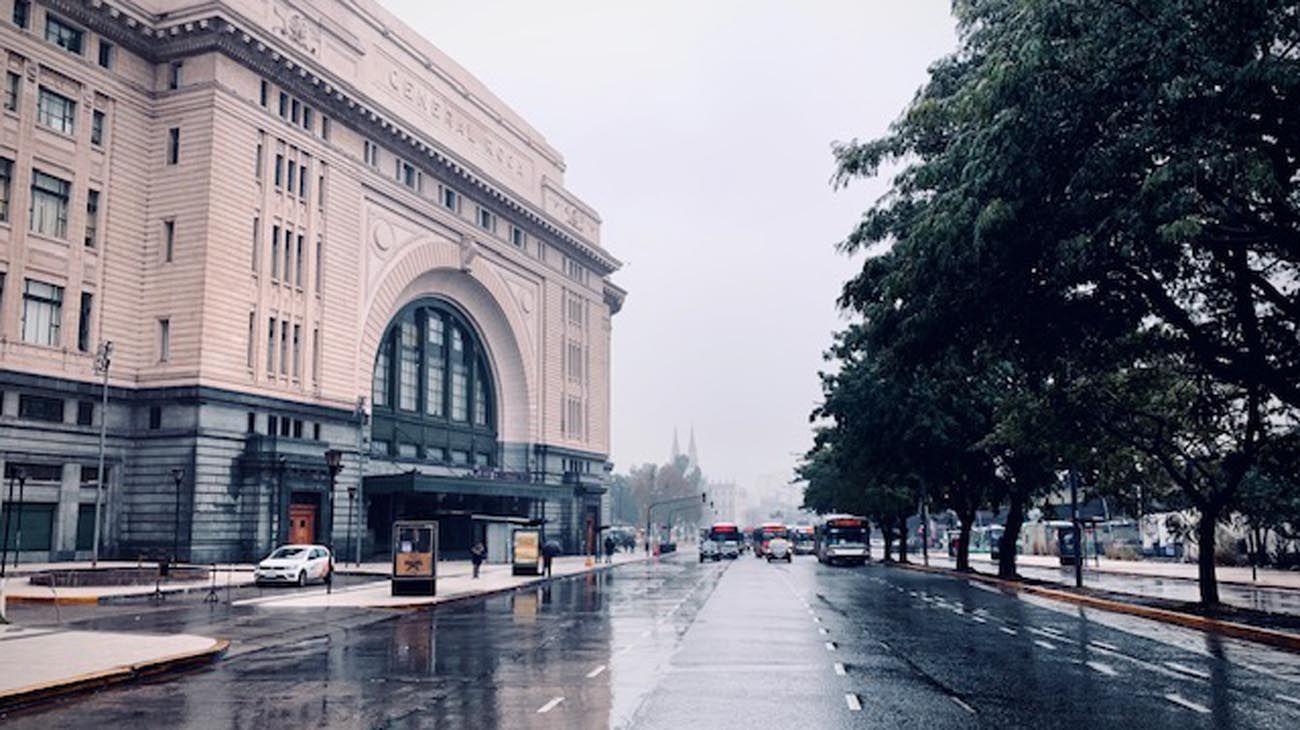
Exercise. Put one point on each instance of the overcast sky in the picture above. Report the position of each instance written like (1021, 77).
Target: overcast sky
(700, 131)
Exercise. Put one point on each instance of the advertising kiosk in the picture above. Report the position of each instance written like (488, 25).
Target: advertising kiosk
(527, 552)
(415, 558)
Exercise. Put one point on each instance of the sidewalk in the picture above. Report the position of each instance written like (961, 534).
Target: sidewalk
(39, 663)
(454, 583)
(19, 589)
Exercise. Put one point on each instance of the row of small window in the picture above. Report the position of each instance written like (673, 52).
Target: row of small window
(296, 112)
(291, 171)
(575, 361)
(42, 473)
(450, 369)
(406, 173)
(293, 259)
(62, 33)
(43, 314)
(284, 426)
(573, 419)
(54, 111)
(289, 351)
(434, 454)
(33, 407)
(48, 209)
(577, 308)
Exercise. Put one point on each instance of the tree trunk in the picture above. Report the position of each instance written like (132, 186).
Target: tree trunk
(1206, 578)
(902, 541)
(963, 540)
(889, 541)
(1011, 536)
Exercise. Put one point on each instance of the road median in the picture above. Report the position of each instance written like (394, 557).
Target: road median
(1285, 640)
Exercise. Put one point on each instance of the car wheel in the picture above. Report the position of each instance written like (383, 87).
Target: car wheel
(302, 578)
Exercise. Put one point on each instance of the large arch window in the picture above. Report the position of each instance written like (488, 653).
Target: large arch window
(432, 390)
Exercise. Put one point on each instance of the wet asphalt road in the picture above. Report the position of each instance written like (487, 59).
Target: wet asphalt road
(679, 645)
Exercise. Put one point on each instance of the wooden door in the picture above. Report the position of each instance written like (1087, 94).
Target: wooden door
(302, 524)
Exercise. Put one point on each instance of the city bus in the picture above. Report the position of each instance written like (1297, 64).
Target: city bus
(802, 538)
(726, 535)
(765, 532)
(842, 539)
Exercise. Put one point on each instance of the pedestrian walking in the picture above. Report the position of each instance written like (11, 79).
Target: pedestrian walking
(609, 549)
(549, 550)
(476, 556)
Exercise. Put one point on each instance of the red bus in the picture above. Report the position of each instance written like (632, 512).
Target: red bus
(765, 532)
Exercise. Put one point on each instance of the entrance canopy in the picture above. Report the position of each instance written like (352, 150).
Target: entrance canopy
(413, 482)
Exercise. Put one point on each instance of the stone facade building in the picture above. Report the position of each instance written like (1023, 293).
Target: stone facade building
(303, 229)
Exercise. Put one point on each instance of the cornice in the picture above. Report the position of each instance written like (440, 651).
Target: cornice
(213, 27)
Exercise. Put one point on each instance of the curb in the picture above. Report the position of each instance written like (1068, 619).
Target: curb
(599, 567)
(1271, 637)
(1155, 576)
(111, 597)
(33, 694)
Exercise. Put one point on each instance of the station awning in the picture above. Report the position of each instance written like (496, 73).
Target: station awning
(417, 483)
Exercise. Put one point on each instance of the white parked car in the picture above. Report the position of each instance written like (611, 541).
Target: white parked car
(295, 564)
(779, 548)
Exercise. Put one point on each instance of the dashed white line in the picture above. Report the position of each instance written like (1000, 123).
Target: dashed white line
(816, 620)
(1054, 632)
(854, 703)
(1009, 632)
(549, 705)
(1101, 668)
(839, 669)
(979, 619)
(1104, 645)
(1044, 644)
(823, 632)
(1289, 698)
(830, 646)
(962, 704)
(1184, 702)
(595, 672)
(1184, 669)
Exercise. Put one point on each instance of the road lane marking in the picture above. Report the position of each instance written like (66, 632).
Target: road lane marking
(979, 619)
(839, 669)
(595, 672)
(1104, 645)
(830, 646)
(1044, 644)
(1289, 698)
(1184, 669)
(854, 703)
(549, 705)
(823, 632)
(1101, 668)
(1009, 632)
(816, 620)
(1054, 632)
(962, 704)
(1184, 702)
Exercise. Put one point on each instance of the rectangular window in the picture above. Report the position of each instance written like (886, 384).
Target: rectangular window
(297, 274)
(270, 348)
(286, 423)
(272, 425)
(379, 389)
(106, 50)
(325, 128)
(173, 145)
(42, 313)
(517, 237)
(288, 254)
(85, 415)
(257, 163)
(284, 105)
(252, 341)
(49, 208)
(40, 408)
(302, 178)
(297, 351)
(155, 418)
(169, 240)
(294, 108)
(279, 170)
(293, 175)
(251, 426)
(257, 243)
(372, 154)
(320, 191)
(97, 127)
(306, 117)
(435, 371)
(56, 111)
(263, 93)
(6, 178)
(297, 428)
(405, 173)
(13, 88)
(35, 521)
(320, 265)
(22, 13)
(284, 347)
(480, 402)
(315, 431)
(164, 340)
(459, 377)
(486, 220)
(408, 374)
(63, 35)
(315, 357)
(174, 75)
(92, 218)
(83, 321)
(450, 199)
(275, 253)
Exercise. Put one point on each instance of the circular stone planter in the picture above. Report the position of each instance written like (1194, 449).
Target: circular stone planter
(91, 577)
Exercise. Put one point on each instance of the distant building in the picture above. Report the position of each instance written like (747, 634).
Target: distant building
(301, 231)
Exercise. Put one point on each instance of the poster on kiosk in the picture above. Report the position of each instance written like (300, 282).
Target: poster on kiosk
(527, 552)
(415, 558)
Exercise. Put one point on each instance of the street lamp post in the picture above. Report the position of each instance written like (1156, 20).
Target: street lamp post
(178, 475)
(1077, 529)
(18, 540)
(334, 461)
(15, 474)
(103, 359)
(352, 496)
